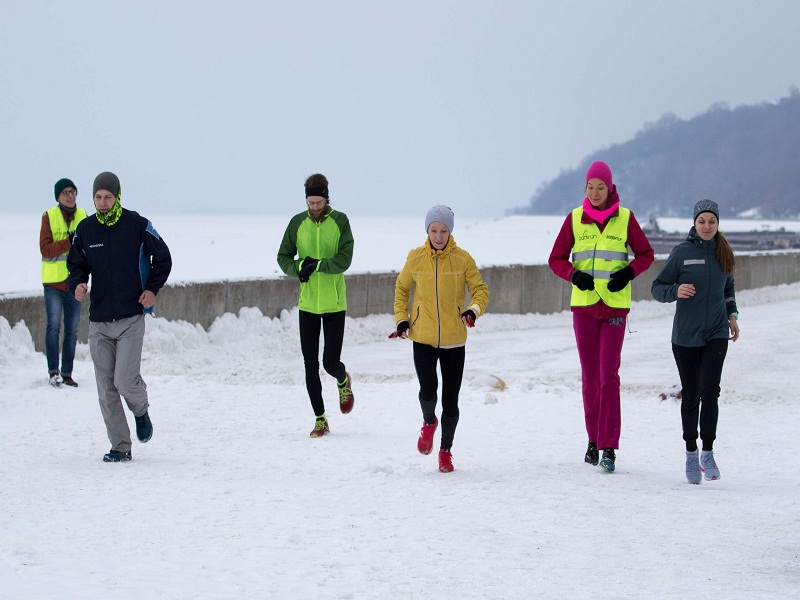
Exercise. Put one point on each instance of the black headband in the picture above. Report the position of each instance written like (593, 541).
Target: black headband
(317, 191)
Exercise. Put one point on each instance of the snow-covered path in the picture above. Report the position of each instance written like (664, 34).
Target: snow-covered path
(231, 499)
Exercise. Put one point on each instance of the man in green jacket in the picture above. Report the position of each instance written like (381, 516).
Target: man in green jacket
(317, 248)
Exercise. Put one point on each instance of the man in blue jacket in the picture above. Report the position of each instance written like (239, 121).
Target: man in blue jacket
(128, 263)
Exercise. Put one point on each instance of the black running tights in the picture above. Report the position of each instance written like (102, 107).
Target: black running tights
(451, 362)
(700, 370)
(332, 326)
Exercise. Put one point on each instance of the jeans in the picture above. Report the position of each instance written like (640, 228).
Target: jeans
(56, 302)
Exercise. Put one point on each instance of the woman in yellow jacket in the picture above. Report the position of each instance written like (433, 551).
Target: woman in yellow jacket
(438, 271)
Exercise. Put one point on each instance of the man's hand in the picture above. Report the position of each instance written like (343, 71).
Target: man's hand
(147, 299)
(308, 268)
(80, 292)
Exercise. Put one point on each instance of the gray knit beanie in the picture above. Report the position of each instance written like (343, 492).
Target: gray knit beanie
(706, 206)
(440, 213)
(106, 181)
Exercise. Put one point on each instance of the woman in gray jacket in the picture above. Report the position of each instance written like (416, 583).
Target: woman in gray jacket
(699, 275)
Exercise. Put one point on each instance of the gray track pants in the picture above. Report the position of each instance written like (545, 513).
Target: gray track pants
(116, 349)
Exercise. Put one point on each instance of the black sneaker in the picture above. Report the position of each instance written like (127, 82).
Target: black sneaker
(144, 428)
(608, 460)
(592, 457)
(117, 456)
(68, 380)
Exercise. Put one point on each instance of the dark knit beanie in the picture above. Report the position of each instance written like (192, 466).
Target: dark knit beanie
(62, 184)
(706, 206)
(106, 181)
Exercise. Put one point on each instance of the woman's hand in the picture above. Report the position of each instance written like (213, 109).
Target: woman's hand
(734, 325)
(401, 331)
(686, 290)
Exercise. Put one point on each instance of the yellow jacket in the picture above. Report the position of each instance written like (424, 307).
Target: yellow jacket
(438, 278)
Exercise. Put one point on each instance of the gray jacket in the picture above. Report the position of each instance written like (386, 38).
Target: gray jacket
(704, 316)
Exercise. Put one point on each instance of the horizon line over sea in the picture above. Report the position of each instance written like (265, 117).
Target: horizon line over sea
(212, 247)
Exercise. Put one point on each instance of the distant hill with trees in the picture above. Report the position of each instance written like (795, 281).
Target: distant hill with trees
(746, 158)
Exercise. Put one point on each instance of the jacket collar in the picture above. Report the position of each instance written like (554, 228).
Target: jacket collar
(695, 238)
(451, 243)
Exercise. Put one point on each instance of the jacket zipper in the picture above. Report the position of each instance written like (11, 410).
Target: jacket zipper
(438, 316)
(319, 292)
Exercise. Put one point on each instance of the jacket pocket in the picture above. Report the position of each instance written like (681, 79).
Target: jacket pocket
(415, 318)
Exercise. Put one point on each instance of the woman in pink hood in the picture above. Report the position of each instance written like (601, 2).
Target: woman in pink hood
(591, 252)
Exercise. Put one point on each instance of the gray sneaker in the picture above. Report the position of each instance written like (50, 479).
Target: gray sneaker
(693, 474)
(708, 465)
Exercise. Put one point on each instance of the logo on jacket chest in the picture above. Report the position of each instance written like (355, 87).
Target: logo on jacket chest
(587, 235)
(614, 237)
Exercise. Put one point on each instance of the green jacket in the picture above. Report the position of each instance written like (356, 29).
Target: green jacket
(331, 242)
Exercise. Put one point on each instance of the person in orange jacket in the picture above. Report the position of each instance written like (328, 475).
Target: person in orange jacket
(55, 239)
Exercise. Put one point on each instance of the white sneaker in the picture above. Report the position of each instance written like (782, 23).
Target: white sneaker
(708, 465)
(55, 380)
(693, 473)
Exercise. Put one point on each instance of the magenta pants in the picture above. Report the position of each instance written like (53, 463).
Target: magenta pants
(600, 348)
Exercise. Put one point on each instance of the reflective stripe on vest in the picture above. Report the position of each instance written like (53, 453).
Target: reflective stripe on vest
(54, 269)
(599, 254)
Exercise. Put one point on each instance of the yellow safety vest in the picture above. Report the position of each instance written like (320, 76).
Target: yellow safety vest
(54, 270)
(599, 254)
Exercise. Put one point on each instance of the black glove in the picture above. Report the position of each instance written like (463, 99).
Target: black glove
(469, 316)
(583, 281)
(619, 279)
(402, 327)
(307, 269)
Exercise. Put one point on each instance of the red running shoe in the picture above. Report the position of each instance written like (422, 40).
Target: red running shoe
(346, 398)
(446, 461)
(425, 441)
(320, 427)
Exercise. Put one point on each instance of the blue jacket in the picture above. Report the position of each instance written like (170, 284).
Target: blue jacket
(123, 260)
(704, 316)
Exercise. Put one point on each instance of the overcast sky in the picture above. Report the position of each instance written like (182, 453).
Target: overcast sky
(228, 106)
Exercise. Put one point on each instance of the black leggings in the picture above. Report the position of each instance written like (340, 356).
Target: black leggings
(700, 369)
(451, 361)
(332, 326)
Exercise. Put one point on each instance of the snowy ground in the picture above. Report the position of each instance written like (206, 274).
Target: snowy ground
(231, 499)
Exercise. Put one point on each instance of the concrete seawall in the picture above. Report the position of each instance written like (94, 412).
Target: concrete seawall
(514, 289)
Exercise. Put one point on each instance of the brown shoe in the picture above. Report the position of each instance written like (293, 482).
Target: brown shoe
(67, 380)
